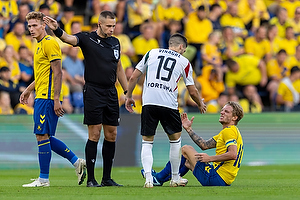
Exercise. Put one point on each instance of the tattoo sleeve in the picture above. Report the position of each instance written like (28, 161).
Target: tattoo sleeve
(203, 144)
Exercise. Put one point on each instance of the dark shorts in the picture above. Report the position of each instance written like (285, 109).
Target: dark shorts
(45, 119)
(207, 175)
(101, 105)
(168, 118)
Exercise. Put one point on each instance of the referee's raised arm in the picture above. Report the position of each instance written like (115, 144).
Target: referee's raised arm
(62, 35)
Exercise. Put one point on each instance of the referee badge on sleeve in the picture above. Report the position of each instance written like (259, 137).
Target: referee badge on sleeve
(116, 53)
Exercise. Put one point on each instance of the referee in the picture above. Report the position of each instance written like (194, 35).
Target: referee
(101, 108)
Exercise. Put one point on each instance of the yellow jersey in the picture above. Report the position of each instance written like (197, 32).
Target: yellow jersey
(47, 50)
(227, 137)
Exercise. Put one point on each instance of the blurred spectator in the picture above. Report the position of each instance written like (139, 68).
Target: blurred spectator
(288, 91)
(295, 60)
(232, 19)
(210, 53)
(18, 38)
(290, 6)
(215, 106)
(66, 20)
(54, 7)
(26, 67)
(214, 16)
(7, 85)
(44, 8)
(281, 21)
(277, 68)
(66, 104)
(173, 27)
(136, 94)
(3, 26)
(250, 102)
(296, 22)
(9, 9)
(190, 105)
(197, 29)
(138, 12)
(245, 70)
(5, 106)
(211, 81)
(166, 11)
(26, 109)
(253, 13)
(125, 42)
(75, 68)
(258, 45)
(274, 39)
(289, 42)
(230, 47)
(20, 18)
(9, 61)
(144, 42)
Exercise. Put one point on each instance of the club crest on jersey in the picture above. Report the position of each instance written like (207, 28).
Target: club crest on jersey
(116, 53)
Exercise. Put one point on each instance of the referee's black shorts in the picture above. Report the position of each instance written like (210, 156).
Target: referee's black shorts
(101, 105)
(168, 118)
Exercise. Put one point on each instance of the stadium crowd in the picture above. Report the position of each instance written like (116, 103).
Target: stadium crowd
(241, 50)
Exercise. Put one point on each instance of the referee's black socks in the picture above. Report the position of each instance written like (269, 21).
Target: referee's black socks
(108, 154)
(90, 155)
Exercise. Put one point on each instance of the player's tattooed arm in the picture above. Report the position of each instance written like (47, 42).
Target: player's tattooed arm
(203, 144)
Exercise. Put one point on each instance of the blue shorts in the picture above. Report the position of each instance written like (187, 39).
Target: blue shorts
(207, 175)
(44, 117)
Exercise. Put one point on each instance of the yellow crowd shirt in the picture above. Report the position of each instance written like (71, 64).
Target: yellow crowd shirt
(259, 49)
(210, 89)
(281, 27)
(247, 14)
(274, 70)
(276, 45)
(14, 69)
(197, 31)
(160, 13)
(286, 93)
(248, 73)
(142, 46)
(9, 8)
(212, 52)
(47, 50)
(134, 18)
(236, 23)
(228, 169)
(289, 46)
(11, 39)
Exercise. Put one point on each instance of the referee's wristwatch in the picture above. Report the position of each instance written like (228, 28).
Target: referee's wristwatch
(125, 92)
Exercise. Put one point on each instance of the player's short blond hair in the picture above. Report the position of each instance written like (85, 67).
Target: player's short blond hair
(237, 110)
(35, 15)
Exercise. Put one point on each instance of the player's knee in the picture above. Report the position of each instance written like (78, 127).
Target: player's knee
(185, 148)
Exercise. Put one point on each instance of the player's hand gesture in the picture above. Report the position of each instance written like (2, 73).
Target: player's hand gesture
(129, 102)
(202, 157)
(51, 23)
(186, 123)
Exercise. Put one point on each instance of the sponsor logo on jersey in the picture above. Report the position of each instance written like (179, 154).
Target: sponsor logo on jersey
(160, 86)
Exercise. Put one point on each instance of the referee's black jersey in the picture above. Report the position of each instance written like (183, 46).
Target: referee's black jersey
(101, 56)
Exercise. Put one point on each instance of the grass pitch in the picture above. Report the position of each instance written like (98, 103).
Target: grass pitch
(260, 182)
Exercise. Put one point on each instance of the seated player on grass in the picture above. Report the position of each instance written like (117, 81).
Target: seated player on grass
(229, 151)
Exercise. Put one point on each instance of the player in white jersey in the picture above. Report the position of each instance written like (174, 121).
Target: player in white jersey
(163, 69)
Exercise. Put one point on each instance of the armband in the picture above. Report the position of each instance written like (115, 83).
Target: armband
(58, 32)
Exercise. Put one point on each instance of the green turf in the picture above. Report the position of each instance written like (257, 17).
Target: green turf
(260, 182)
